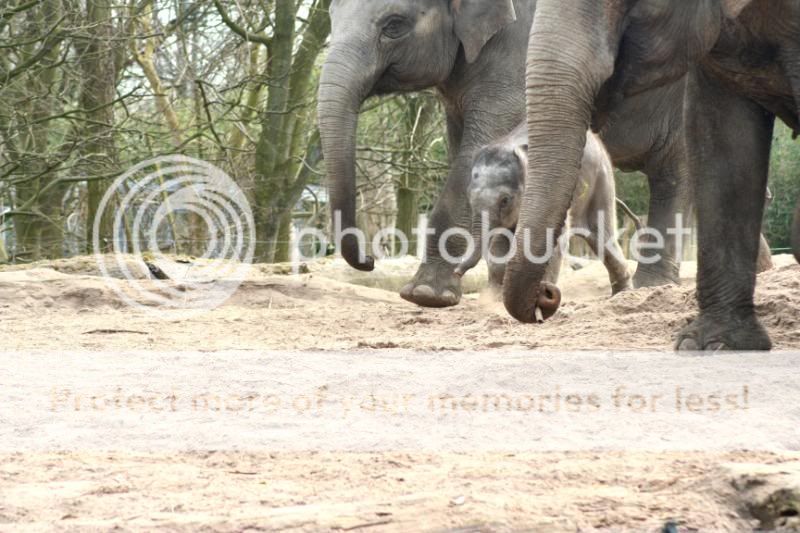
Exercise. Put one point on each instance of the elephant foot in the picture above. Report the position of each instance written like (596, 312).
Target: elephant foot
(656, 275)
(714, 333)
(621, 285)
(433, 286)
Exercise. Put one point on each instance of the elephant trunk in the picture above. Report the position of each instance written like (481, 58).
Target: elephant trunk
(796, 233)
(342, 90)
(469, 262)
(564, 76)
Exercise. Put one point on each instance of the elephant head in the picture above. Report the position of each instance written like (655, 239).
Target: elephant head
(495, 194)
(583, 56)
(387, 46)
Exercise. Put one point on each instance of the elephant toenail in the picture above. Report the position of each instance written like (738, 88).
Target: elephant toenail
(407, 289)
(449, 297)
(423, 291)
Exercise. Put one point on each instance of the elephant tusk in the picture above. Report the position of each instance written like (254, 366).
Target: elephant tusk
(539, 315)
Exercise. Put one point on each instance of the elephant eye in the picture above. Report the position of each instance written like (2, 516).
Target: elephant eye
(396, 27)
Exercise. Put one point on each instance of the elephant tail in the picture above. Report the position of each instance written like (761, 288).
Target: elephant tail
(629, 212)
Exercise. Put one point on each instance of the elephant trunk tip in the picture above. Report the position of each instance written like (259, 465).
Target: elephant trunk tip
(368, 265)
(548, 301)
(544, 305)
(351, 251)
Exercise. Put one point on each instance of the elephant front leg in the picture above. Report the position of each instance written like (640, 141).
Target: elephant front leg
(499, 249)
(731, 137)
(435, 284)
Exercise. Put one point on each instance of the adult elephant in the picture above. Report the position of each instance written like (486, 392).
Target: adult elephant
(588, 57)
(473, 52)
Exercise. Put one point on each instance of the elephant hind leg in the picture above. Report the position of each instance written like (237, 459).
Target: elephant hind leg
(600, 223)
(669, 180)
(613, 259)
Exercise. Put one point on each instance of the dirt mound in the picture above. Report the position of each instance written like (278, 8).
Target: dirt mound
(312, 311)
(46, 289)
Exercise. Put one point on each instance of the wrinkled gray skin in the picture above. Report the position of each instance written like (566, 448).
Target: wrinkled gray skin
(475, 58)
(646, 133)
(588, 58)
(495, 194)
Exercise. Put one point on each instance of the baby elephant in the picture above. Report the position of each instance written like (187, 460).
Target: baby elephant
(495, 193)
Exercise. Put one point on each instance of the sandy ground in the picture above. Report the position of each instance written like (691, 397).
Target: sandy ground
(66, 306)
(323, 310)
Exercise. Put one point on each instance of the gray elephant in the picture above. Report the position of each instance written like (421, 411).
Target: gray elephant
(588, 58)
(473, 52)
(495, 194)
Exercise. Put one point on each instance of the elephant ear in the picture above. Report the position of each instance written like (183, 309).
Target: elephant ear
(477, 21)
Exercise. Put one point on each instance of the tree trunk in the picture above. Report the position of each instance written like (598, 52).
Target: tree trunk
(97, 97)
(144, 53)
(284, 124)
(39, 233)
(283, 248)
(407, 214)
